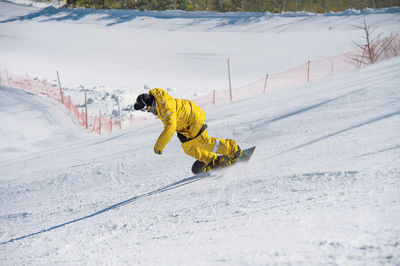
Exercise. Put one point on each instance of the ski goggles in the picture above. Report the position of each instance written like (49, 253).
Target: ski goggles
(146, 108)
(150, 109)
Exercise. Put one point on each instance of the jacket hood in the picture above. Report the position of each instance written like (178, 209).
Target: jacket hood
(160, 95)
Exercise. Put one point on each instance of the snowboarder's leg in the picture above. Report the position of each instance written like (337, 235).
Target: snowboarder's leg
(205, 148)
(192, 148)
(227, 147)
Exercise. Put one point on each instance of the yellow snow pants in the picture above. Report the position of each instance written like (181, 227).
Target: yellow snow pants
(205, 148)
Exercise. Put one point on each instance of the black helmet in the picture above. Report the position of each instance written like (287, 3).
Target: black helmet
(144, 101)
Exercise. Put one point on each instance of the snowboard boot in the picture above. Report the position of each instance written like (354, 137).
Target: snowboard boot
(219, 161)
(236, 156)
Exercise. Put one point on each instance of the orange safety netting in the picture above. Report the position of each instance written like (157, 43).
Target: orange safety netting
(98, 124)
(299, 76)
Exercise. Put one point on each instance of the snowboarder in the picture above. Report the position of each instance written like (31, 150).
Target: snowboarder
(187, 119)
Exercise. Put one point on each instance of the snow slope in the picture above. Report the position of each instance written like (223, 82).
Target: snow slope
(185, 51)
(120, 53)
(30, 124)
(323, 187)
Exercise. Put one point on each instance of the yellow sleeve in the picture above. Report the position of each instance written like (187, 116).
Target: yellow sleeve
(169, 120)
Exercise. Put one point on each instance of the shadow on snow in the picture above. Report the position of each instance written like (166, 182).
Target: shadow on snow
(117, 16)
(174, 185)
(370, 121)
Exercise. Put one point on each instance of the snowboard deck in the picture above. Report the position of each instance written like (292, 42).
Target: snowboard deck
(200, 167)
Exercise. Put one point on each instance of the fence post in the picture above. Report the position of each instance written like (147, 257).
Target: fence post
(45, 86)
(94, 124)
(86, 114)
(99, 122)
(214, 97)
(265, 85)
(111, 124)
(8, 83)
(119, 114)
(131, 118)
(29, 84)
(59, 85)
(230, 79)
(308, 71)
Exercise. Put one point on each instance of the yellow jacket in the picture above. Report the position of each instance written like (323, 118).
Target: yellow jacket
(178, 115)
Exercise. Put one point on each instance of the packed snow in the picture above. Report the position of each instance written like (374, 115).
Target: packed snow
(125, 52)
(323, 186)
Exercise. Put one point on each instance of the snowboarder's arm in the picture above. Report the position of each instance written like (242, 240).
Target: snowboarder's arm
(170, 123)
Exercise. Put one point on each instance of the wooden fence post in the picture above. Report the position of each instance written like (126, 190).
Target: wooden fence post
(119, 114)
(27, 81)
(94, 124)
(47, 89)
(86, 114)
(214, 97)
(59, 85)
(99, 122)
(131, 118)
(230, 79)
(8, 83)
(265, 84)
(308, 71)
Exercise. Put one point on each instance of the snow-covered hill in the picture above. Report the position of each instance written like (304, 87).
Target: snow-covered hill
(120, 53)
(323, 186)
(30, 124)
(185, 51)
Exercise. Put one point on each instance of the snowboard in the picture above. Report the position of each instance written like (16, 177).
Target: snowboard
(200, 167)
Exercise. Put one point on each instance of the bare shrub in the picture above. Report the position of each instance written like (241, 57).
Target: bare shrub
(374, 48)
